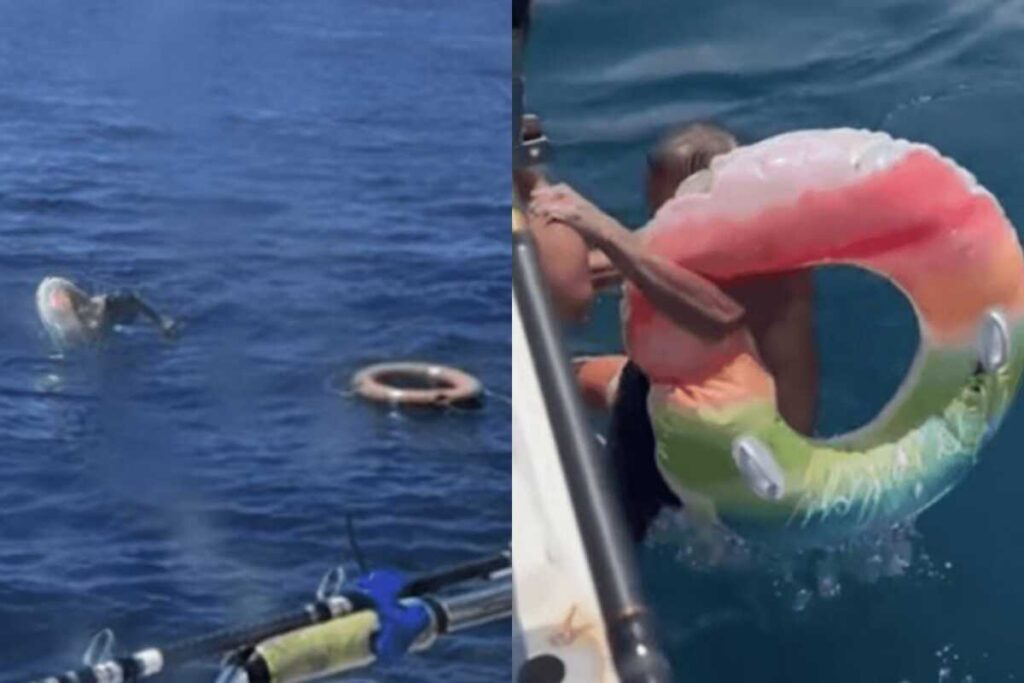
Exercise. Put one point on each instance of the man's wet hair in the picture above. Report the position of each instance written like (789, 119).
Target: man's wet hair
(690, 149)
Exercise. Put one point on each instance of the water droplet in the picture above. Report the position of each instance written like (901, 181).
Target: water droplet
(901, 458)
(828, 585)
(801, 600)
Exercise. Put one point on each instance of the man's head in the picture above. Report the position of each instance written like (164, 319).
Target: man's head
(679, 155)
(68, 313)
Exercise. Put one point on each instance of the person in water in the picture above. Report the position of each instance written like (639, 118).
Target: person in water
(776, 309)
(72, 316)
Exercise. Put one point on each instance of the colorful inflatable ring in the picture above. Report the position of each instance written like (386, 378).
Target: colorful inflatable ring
(813, 198)
(417, 384)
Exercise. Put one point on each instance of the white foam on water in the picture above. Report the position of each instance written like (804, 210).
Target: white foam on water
(799, 578)
(805, 580)
(949, 663)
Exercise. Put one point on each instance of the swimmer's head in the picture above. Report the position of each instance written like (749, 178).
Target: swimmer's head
(64, 309)
(679, 155)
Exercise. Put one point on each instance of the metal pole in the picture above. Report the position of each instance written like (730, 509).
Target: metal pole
(631, 635)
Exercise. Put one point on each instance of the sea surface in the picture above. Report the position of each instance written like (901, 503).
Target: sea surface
(309, 186)
(607, 80)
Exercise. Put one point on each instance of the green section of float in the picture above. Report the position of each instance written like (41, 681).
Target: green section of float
(892, 469)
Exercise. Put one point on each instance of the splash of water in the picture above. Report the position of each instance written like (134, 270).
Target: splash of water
(798, 577)
(949, 662)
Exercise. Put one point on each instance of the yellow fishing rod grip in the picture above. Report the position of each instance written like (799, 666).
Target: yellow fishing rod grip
(325, 649)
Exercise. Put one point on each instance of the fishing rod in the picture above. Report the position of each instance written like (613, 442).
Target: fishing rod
(347, 643)
(631, 634)
(333, 600)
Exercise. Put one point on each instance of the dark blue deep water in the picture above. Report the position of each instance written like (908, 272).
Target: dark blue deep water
(310, 186)
(608, 78)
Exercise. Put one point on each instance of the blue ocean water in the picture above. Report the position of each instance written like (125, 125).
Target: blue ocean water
(309, 186)
(609, 78)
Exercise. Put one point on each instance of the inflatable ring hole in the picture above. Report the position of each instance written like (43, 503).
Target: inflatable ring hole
(867, 336)
(418, 384)
(403, 379)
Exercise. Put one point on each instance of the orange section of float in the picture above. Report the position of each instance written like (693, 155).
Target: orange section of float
(741, 380)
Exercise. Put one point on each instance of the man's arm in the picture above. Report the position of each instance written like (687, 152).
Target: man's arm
(603, 272)
(563, 260)
(562, 254)
(788, 347)
(683, 295)
(123, 307)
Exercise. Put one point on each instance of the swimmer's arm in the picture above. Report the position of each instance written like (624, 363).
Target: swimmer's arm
(675, 291)
(789, 349)
(124, 307)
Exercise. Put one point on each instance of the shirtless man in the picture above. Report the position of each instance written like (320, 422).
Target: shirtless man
(777, 310)
(71, 316)
(562, 253)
